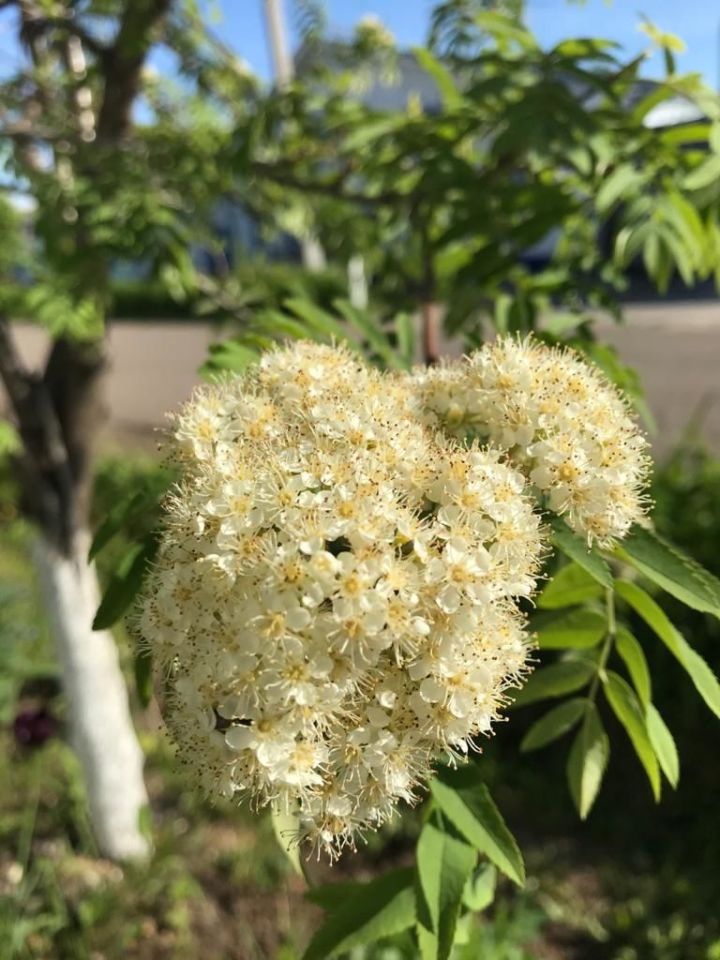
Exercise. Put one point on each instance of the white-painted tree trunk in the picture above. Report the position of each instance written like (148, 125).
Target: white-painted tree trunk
(97, 702)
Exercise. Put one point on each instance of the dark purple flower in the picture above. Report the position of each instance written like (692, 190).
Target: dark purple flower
(32, 727)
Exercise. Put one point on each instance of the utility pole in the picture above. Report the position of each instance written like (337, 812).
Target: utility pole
(313, 255)
(277, 34)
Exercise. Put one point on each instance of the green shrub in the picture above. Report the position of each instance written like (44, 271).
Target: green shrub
(260, 284)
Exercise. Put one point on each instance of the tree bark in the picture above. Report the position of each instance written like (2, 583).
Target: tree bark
(431, 322)
(58, 416)
(101, 729)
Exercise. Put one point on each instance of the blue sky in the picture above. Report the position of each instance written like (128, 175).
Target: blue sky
(696, 21)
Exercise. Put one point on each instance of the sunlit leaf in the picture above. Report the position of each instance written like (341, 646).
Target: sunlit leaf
(629, 711)
(464, 799)
(587, 761)
(577, 629)
(631, 653)
(663, 744)
(479, 890)
(444, 863)
(699, 672)
(671, 569)
(449, 92)
(624, 180)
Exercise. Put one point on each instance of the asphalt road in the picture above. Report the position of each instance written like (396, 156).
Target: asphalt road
(674, 346)
(676, 349)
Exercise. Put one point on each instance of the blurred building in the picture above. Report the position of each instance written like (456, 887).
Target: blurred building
(243, 237)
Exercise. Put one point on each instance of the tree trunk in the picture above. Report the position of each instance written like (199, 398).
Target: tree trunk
(59, 410)
(100, 724)
(431, 325)
(59, 413)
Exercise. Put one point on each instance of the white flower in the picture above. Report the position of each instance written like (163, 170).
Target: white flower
(334, 603)
(559, 420)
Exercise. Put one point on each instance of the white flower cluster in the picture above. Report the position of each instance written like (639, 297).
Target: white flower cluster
(561, 423)
(334, 603)
(334, 600)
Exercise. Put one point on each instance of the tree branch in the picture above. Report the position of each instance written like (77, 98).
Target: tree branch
(285, 177)
(70, 25)
(45, 473)
(73, 379)
(58, 415)
(123, 63)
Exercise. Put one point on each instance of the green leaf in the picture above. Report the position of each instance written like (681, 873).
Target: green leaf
(10, 442)
(705, 681)
(681, 255)
(124, 584)
(286, 829)
(585, 47)
(371, 332)
(502, 27)
(588, 761)
(281, 324)
(378, 909)
(629, 712)
(660, 93)
(465, 801)
(119, 517)
(671, 569)
(555, 680)
(652, 255)
(572, 584)
(704, 175)
(331, 896)
(405, 332)
(687, 133)
(443, 864)
(663, 744)
(556, 723)
(624, 180)
(569, 629)
(319, 320)
(365, 132)
(632, 655)
(559, 323)
(143, 670)
(577, 549)
(449, 93)
(684, 216)
(228, 356)
(479, 890)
